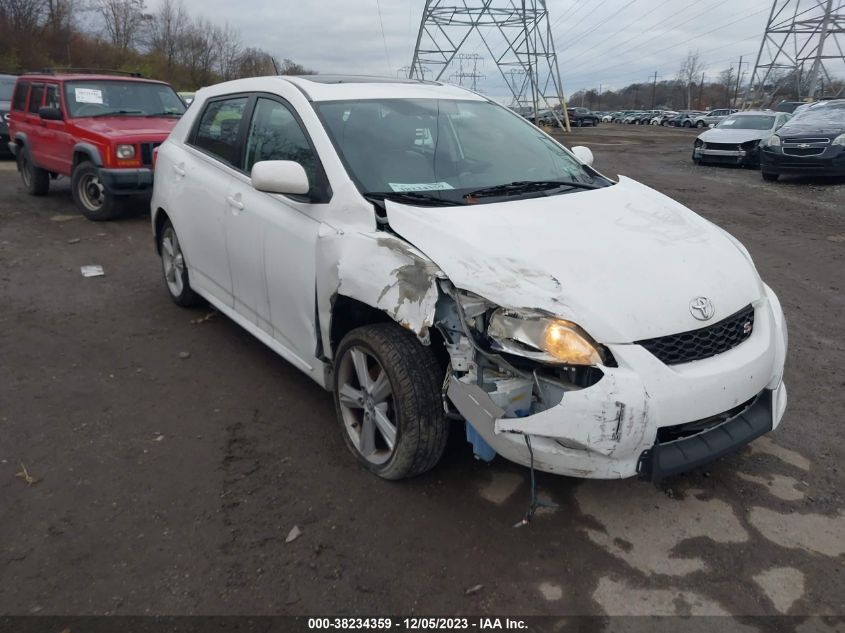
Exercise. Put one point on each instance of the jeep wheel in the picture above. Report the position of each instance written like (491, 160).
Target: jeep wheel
(387, 392)
(36, 181)
(90, 195)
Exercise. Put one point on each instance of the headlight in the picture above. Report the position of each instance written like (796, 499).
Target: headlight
(773, 141)
(749, 144)
(125, 152)
(542, 338)
(839, 140)
(698, 142)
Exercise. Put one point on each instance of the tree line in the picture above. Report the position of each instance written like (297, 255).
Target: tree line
(168, 43)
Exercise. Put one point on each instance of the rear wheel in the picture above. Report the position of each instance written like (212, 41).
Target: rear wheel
(36, 181)
(769, 176)
(387, 391)
(91, 196)
(687, 124)
(699, 124)
(175, 269)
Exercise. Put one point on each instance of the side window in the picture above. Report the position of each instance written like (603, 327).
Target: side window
(217, 132)
(53, 100)
(36, 97)
(19, 99)
(275, 134)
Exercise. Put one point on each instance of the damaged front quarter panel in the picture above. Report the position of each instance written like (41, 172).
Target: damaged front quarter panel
(380, 270)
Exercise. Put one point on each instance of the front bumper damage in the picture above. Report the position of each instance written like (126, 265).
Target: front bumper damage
(622, 425)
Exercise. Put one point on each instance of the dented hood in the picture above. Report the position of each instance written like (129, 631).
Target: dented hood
(624, 261)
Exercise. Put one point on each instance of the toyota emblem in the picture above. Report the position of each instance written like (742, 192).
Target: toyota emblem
(702, 308)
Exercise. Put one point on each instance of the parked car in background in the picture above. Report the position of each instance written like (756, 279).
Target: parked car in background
(7, 86)
(811, 143)
(582, 117)
(100, 130)
(607, 118)
(364, 230)
(712, 117)
(736, 139)
(660, 118)
(789, 106)
(684, 118)
(187, 97)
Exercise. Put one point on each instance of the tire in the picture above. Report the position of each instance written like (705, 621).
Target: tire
(769, 176)
(699, 124)
(687, 124)
(413, 407)
(35, 180)
(91, 198)
(174, 268)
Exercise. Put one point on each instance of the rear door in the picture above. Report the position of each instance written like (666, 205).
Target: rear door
(34, 124)
(197, 178)
(56, 142)
(272, 238)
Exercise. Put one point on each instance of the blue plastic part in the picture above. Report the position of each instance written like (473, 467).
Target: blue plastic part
(481, 448)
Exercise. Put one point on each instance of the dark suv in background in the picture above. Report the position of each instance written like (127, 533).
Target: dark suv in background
(7, 87)
(811, 144)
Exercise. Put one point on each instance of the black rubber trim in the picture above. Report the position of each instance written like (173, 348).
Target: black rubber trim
(127, 181)
(664, 460)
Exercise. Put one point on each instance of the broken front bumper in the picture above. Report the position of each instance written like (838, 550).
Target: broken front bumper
(611, 429)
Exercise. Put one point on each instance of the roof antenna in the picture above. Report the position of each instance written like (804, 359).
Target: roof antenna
(275, 65)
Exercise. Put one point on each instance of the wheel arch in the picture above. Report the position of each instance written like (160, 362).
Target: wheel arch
(159, 218)
(86, 151)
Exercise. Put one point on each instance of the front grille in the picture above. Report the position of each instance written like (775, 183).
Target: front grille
(720, 337)
(803, 151)
(147, 153)
(819, 141)
(724, 146)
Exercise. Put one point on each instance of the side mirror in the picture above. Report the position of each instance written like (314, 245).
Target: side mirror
(584, 154)
(50, 114)
(711, 125)
(280, 176)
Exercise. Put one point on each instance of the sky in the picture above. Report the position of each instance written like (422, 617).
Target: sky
(600, 43)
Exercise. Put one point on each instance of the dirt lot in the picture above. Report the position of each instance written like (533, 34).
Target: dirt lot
(168, 484)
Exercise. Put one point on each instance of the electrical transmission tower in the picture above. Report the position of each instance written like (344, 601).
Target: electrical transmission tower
(804, 41)
(467, 73)
(516, 35)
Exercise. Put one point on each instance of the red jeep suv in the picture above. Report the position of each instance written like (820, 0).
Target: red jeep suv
(98, 129)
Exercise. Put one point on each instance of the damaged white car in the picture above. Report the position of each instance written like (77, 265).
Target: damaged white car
(429, 257)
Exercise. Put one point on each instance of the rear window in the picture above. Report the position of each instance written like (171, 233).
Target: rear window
(218, 128)
(36, 97)
(19, 100)
(7, 86)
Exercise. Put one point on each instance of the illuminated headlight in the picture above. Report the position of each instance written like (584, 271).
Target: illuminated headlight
(773, 141)
(839, 140)
(542, 338)
(125, 152)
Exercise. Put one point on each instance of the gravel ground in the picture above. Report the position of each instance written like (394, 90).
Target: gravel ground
(175, 453)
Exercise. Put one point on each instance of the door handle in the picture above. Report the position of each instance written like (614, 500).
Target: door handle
(236, 204)
(179, 171)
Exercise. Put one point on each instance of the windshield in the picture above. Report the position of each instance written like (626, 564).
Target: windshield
(748, 122)
(447, 150)
(823, 114)
(105, 97)
(7, 86)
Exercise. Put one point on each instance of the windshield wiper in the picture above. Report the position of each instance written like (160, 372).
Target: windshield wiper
(165, 114)
(116, 112)
(411, 197)
(527, 186)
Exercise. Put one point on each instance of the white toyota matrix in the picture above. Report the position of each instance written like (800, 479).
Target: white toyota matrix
(430, 257)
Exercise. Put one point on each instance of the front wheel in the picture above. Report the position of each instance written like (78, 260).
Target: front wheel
(36, 181)
(387, 392)
(687, 124)
(90, 195)
(699, 124)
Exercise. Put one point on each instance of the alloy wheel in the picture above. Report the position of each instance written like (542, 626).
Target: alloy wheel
(173, 262)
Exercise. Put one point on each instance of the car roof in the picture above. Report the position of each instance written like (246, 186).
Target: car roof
(350, 87)
(84, 77)
(757, 112)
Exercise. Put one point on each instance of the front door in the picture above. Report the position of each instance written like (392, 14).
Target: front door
(57, 144)
(272, 238)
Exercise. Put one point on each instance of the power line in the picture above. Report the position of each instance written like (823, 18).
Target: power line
(600, 24)
(384, 38)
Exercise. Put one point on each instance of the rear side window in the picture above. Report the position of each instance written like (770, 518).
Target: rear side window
(36, 97)
(19, 100)
(219, 127)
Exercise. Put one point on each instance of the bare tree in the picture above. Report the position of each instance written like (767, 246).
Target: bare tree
(198, 52)
(253, 62)
(167, 30)
(227, 41)
(690, 69)
(123, 20)
(22, 17)
(290, 67)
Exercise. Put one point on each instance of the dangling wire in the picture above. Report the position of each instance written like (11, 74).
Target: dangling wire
(533, 503)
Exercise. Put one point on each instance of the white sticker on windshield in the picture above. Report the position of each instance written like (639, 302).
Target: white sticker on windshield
(420, 186)
(89, 95)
